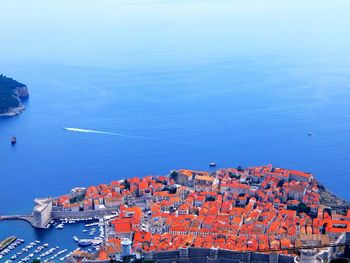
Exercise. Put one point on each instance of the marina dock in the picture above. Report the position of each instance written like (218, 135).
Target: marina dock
(6, 242)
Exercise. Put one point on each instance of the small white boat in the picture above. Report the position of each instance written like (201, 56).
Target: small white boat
(59, 226)
(76, 239)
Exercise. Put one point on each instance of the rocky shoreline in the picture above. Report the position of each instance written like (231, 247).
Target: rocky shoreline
(21, 93)
(13, 111)
(332, 200)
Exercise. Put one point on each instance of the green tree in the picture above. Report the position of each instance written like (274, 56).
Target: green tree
(127, 184)
(8, 96)
(280, 183)
(302, 208)
(174, 174)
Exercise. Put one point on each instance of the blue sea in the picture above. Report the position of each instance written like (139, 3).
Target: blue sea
(179, 83)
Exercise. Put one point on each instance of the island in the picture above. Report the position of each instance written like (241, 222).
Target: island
(12, 94)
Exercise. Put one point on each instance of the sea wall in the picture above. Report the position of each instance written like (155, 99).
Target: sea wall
(81, 214)
(200, 255)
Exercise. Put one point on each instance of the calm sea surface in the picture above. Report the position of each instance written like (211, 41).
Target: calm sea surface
(182, 83)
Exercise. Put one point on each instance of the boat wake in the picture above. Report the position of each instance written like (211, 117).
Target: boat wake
(106, 133)
(88, 131)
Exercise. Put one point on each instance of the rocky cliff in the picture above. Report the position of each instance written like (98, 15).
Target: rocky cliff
(12, 94)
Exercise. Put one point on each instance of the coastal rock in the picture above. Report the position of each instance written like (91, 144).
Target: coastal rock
(12, 94)
(330, 199)
(13, 111)
(22, 92)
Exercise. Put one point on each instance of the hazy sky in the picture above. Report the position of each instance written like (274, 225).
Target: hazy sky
(112, 32)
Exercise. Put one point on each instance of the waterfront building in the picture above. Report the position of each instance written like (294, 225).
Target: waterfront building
(300, 176)
(42, 212)
(185, 177)
(78, 192)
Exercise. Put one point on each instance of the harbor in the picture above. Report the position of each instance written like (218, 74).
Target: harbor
(84, 234)
(34, 250)
(55, 233)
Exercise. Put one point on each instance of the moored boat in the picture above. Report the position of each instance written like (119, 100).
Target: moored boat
(60, 226)
(84, 242)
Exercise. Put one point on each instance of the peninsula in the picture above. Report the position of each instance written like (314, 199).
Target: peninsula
(12, 93)
(257, 209)
(270, 213)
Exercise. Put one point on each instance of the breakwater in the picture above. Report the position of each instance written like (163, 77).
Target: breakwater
(6, 242)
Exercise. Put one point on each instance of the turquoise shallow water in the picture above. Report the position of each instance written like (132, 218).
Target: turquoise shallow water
(183, 83)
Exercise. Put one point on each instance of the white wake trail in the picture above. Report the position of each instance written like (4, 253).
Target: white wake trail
(106, 133)
(88, 131)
